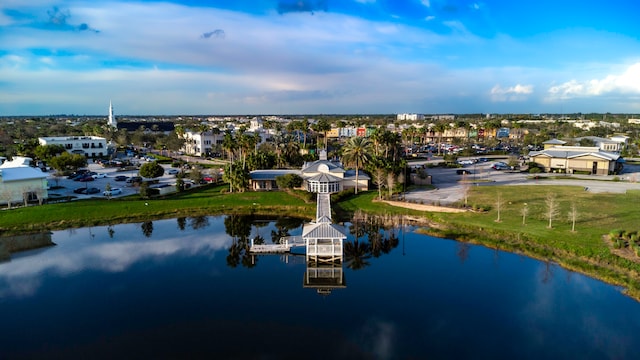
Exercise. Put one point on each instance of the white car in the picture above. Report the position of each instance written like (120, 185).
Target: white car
(99, 176)
(173, 171)
(113, 191)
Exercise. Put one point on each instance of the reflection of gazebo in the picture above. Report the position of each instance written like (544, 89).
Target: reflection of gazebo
(324, 278)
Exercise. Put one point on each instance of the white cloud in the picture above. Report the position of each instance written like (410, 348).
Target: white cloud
(626, 83)
(430, 17)
(426, 3)
(514, 93)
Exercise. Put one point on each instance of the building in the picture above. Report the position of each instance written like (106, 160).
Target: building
(111, 122)
(320, 176)
(201, 143)
(20, 183)
(89, 146)
(603, 143)
(577, 159)
(410, 117)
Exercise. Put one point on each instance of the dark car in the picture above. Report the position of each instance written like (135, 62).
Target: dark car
(92, 190)
(463, 172)
(120, 178)
(134, 179)
(80, 190)
(86, 178)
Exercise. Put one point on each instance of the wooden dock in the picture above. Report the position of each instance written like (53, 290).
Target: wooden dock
(284, 246)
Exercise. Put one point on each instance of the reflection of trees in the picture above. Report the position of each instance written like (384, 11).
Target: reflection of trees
(239, 228)
(110, 231)
(182, 223)
(283, 225)
(199, 222)
(463, 251)
(356, 254)
(147, 228)
(381, 239)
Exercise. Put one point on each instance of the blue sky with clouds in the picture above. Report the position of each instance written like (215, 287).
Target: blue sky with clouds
(319, 56)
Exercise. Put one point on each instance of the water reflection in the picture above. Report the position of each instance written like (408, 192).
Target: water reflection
(113, 286)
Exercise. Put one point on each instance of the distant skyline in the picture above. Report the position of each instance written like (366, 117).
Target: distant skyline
(318, 56)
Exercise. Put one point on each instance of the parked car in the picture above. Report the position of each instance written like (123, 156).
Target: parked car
(463, 172)
(112, 192)
(91, 190)
(134, 179)
(120, 178)
(86, 178)
(173, 171)
(80, 190)
(99, 176)
(501, 166)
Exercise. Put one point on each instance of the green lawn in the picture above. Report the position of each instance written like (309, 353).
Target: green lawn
(209, 201)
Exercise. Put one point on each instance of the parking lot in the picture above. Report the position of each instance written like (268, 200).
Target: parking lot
(63, 187)
(449, 189)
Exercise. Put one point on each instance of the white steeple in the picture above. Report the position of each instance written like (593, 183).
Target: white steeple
(112, 120)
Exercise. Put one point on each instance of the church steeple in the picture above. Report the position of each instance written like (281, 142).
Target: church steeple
(112, 120)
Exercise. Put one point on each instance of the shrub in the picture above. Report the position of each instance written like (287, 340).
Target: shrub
(615, 234)
(535, 170)
(616, 178)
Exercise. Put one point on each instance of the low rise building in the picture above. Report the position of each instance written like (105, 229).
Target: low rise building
(89, 146)
(20, 183)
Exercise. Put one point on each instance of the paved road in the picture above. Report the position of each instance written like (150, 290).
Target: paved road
(449, 189)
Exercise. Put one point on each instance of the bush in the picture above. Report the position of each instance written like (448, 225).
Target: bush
(615, 234)
(535, 170)
(616, 178)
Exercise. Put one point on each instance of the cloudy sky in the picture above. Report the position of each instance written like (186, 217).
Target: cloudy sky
(319, 56)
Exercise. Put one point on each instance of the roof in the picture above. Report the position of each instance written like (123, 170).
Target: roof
(323, 230)
(20, 173)
(271, 174)
(571, 152)
(324, 178)
(352, 174)
(322, 166)
(555, 142)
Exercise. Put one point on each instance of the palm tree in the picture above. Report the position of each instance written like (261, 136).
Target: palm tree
(357, 151)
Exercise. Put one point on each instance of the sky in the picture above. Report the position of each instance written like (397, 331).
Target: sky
(251, 57)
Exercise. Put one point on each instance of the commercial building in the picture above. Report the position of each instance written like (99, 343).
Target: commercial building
(89, 146)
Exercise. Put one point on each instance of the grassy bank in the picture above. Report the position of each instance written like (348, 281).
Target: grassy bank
(207, 201)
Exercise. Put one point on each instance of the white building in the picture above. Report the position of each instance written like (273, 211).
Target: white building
(200, 143)
(410, 117)
(20, 182)
(112, 119)
(89, 146)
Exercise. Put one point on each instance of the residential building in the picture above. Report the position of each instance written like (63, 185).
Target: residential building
(89, 146)
(201, 143)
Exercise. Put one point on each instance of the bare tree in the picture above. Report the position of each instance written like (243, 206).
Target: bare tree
(379, 179)
(552, 208)
(466, 189)
(524, 212)
(573, 216)
(499, 205)
(391, 182)
(7, 195)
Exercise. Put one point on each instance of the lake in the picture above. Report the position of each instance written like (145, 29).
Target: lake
(186, 288)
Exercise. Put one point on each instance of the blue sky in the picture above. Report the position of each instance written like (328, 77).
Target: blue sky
(319, 56)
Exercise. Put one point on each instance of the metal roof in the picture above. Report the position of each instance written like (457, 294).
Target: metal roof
(323, 230)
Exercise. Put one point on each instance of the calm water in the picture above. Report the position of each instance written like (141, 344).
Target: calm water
(180, 289)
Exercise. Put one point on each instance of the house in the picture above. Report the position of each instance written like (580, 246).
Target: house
(582, 159)
(201, 143)
(89, 146)
(322, 176)
(19, 182)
